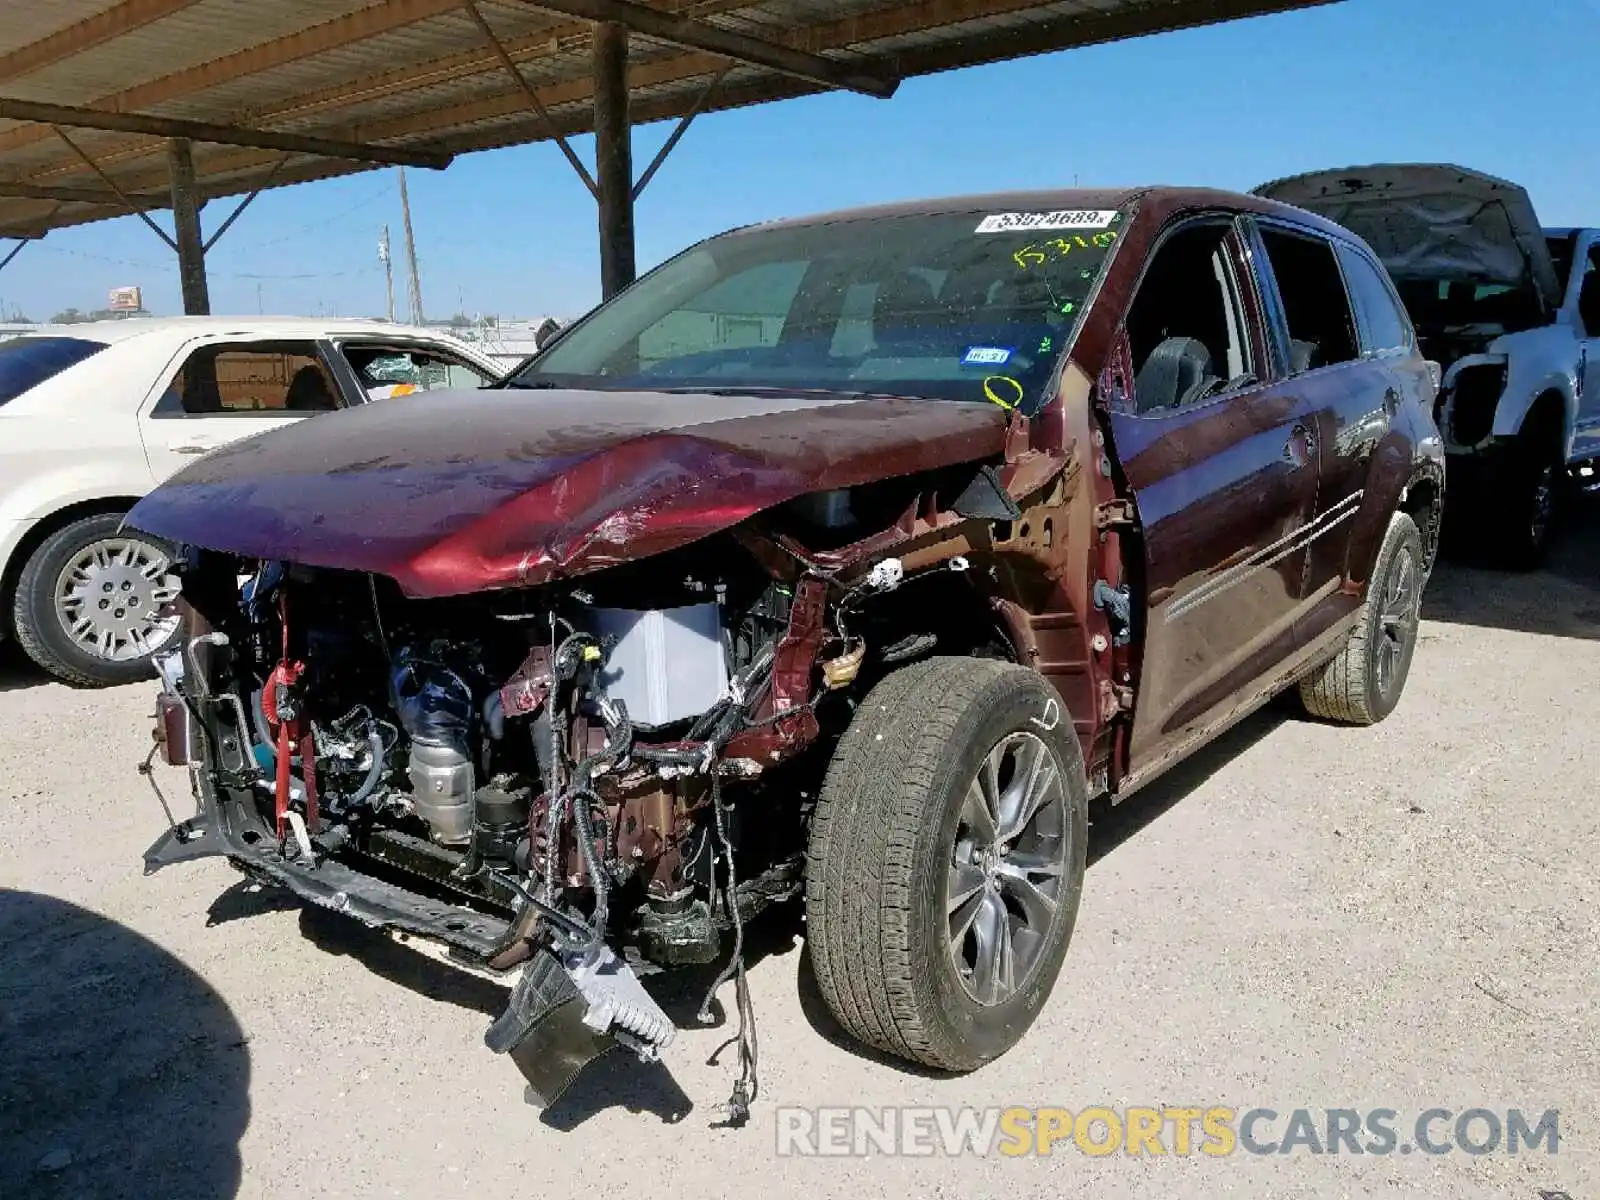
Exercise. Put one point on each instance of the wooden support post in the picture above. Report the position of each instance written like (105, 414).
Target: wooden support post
(613, 136)
(186, 222)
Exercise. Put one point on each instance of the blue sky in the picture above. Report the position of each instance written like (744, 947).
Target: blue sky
(1506, 88)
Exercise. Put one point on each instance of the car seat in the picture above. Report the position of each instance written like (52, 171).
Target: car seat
(1177, 372)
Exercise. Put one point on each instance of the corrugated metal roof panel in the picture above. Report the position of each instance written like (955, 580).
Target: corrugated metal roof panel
(419, 72)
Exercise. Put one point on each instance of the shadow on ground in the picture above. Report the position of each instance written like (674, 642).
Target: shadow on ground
(1560, 600)
(17, 670)
(122, 1073)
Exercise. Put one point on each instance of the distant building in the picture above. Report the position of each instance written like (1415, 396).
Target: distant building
(507, 339)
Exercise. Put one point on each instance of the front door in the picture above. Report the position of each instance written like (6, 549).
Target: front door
(1223, 469)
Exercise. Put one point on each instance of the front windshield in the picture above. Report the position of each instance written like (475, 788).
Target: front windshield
(952, 306)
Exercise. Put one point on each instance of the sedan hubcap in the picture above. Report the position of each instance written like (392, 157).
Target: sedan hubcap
(110, 597)
(1006, 869)
(1397, 618)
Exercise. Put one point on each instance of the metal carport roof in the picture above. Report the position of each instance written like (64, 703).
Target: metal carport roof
(101, 100)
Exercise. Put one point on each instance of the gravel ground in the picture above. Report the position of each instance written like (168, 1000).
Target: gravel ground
(1301, 916)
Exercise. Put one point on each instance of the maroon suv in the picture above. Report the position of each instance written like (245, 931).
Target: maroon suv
(847, 557)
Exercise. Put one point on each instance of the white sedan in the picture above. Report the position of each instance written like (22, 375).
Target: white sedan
(93, 416)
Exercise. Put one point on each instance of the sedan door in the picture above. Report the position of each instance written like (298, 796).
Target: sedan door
(220, 392)
(1223, 469)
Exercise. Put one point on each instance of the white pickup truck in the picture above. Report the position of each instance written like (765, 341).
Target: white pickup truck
(1512, 312)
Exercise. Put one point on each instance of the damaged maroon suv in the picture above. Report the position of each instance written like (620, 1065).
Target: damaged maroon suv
(847, 558)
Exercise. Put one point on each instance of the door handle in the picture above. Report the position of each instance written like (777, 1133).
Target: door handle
(1300, 446)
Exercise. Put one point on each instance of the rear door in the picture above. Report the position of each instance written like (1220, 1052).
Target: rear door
(1351, 366)
(1224, 472)
(215, 393)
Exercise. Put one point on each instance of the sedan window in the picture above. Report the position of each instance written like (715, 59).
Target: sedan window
(261, 379)
(386, 371)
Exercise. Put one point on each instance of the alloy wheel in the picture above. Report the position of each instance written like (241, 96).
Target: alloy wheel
(1004, 888)
(110, 597)
(1398, 615)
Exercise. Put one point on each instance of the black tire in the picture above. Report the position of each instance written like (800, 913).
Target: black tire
(881, 853)
(1524, 496)
(39, 625)
(1355, 687)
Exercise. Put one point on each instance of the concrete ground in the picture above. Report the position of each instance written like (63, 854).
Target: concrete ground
(1302, 916)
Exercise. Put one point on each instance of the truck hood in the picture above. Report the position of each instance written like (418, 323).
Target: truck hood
(452, 492)
(1429, 222)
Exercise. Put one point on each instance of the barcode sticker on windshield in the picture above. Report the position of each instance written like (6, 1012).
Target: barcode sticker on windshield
(1072, 218)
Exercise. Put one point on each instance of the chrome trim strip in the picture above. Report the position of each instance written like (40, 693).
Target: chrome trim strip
(1299, 539)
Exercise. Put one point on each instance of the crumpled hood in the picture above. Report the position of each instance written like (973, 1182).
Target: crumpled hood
(455, 492)
(1428, 221)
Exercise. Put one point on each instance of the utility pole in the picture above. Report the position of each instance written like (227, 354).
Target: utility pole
(388, 269)
(417, 317)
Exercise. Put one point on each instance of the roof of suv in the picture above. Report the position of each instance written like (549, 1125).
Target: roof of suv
(1068, 198)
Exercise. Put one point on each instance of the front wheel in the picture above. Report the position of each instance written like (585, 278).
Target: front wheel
(1525, 495)
(92, 603)
(946, 861)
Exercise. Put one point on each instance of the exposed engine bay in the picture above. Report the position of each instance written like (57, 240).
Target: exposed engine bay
(572, 778)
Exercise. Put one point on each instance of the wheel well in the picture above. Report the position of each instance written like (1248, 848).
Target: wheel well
(1423, 504)
(947, 607)
(1546, 419)
(42, 529)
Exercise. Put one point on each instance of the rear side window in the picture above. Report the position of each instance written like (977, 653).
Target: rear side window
(261, 379)
(26, 362)
(1322, 327)
(1384, 325)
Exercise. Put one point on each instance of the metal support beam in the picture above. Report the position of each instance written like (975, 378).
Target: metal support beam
(678, 131)
(239, 208)
(226, 135)
(697, 35)
(15, 250)
(533, 97)
(186, 220)
(613, 157)
(133, 206)
(20, 190)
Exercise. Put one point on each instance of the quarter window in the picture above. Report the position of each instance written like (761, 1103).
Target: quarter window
(1383, 323)
(1322, 327)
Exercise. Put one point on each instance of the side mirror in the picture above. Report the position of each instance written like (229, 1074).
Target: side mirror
(546, 333)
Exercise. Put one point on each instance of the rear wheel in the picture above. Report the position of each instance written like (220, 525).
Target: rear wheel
(946, 861)
(1362, 684)
(91, 603)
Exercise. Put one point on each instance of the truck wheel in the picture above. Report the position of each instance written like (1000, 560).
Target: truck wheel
(1524, 494)
(1362, 684)
(89, 603)
(946, 861)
